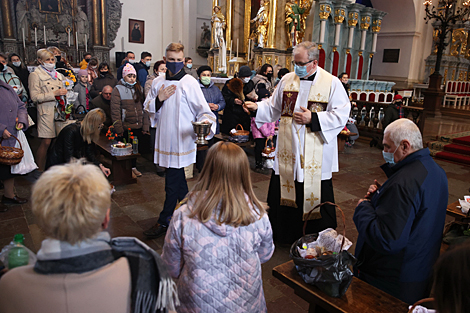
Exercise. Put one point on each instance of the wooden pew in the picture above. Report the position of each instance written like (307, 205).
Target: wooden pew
(360, 296)
(121, 166)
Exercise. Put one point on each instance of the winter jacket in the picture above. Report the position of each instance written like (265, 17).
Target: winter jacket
(261, 79)
(80, 105)
(400, 229)
(191, 71)
(213, 95)
(392, 113)
(69, 144)
(218, 266)
(100, 82)
(11, 108)
(105, 105)
(142, 72)
(42, 87)
(125, 112)
(234, 113)
(14, 81)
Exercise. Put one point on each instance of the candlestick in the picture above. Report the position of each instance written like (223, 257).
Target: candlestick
(68, 36)
(86, 43)
(76, 40)
(45, 35)
(35, 36)
(237, 48)
(231, 43)
(24, 41)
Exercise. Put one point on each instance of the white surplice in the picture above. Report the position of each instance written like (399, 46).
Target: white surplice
(175, 138)
(332, 121)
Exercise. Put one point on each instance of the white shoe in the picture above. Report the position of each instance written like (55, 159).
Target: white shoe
(136, 172)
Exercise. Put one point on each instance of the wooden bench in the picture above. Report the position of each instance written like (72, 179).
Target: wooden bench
(360, 296)
(121, 166)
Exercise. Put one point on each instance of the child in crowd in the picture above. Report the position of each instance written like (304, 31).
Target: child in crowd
(92, 70)
(83, 88)
(267, 131)
(127, 111)
(218, 238)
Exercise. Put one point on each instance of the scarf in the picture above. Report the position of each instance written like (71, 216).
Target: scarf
(52, 73)
(401, 114)
(152, 287)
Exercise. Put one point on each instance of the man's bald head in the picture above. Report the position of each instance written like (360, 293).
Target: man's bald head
(106, 92)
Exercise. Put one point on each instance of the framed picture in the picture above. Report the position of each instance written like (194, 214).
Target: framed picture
(49, 6)
(136, 31)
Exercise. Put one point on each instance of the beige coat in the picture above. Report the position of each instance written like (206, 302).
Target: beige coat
(107, 289)
(42, 88)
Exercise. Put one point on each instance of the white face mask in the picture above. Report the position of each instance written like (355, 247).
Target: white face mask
(131, 61)
(49, 66)
(246, 80)
(17, 64)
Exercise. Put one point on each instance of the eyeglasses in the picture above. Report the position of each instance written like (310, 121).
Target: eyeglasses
(301, 64)
(106, 93)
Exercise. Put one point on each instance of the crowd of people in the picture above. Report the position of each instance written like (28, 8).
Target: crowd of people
(220, 232)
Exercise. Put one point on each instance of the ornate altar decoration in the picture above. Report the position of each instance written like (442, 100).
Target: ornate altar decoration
(261, 21)
(295, 16)
(217, 38)
(34, 24)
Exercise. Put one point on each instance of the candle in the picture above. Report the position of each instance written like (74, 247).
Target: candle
(68, 36)
(76, 39)
(45, 35)
(86, 44)
(231, 42)
(35, 36)
(249, 49)
(24, 41)
(237, 48)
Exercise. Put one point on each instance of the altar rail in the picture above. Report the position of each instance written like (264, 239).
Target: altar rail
(370, 124)
(371, 90)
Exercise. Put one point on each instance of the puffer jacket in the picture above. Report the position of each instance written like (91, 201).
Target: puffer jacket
(42, 88)
(219, 266)
(261, 79)
(125, 112)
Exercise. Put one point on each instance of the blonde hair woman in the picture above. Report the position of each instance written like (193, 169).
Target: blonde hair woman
(76, 141)
(45, 84)
(78, 260)
(223, 227)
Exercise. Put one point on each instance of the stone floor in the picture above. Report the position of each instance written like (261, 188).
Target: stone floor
(136, 207)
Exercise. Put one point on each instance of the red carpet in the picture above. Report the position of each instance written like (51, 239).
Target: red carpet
(457, 158)
(462, 141)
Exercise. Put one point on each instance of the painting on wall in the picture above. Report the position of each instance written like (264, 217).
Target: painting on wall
(136, 31)
(49, 6)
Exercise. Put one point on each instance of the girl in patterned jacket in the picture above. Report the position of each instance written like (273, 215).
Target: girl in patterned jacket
(218, 238)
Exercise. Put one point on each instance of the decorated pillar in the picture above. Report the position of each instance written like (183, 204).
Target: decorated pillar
(272, 24)
(7, 19)
(365, 24)
(340, 15)
(228, 18)
(353, 19)
(96, 25)
(104, 28)
(325, 10)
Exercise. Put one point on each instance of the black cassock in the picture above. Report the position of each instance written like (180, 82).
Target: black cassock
(287, 221)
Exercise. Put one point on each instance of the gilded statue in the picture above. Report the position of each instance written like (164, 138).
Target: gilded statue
(295, 16)
(459, 42)
(261, 26)
(218, 42)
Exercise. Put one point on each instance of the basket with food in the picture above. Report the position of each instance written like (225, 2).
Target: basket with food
(120, 149)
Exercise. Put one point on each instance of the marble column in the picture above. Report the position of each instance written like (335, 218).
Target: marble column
(7, 19)
(104, 29)
(96, 26)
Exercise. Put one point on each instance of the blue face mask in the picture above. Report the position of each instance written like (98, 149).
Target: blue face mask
(189, 65)
(147, 63)
(174, 67)
(389, 157)
(132, 84)
(300, 71)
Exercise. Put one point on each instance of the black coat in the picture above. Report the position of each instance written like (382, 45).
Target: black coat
(100, 82)
(23, 73)
(392, 113)
(69, 144)
(234, 113)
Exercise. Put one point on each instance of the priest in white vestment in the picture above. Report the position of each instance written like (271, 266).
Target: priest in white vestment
(174, 101)
(313, 108)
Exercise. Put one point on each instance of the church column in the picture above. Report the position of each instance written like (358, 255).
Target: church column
(325, 10)
(365, 23)
(104, 34)
(7, 20)
(339, 19)
(272, 24)
(96, 26)
(353, 18)
(228, 17)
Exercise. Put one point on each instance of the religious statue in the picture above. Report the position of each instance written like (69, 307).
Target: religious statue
(205, 36)
(22, 16)
(261, 26)
(295, 16)
(218, 42)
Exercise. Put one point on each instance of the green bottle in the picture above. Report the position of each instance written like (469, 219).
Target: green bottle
(18, 255)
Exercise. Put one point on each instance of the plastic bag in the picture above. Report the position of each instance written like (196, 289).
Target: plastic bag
(6, 250)
(27, 163)
(331, 273)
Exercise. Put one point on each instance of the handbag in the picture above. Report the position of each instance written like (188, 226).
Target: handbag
(10, 155)
(27, 163)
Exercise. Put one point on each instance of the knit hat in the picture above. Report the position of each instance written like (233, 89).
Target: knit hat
(82, 73)
(263, 92)
(203, 68)
(128, 69)
(397, 97)
(244, 71)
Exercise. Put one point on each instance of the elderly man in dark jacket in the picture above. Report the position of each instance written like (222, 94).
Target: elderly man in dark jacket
(103, 101)
(13, 116)
(400, 223)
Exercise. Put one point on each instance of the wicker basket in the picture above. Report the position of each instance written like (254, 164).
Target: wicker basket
(268, 152)
(419, 303)
(240, 135)
(10, 155)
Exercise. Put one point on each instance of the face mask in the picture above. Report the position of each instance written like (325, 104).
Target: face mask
(94, 67)
(3, 67)
(58, 57)
(131, 61)
(104, 73)
(389, 156)
(189, 65)
(87, 60)
(17, 64)
(206, 80)
(49, 66)
(132, 84)
(300, 71)
(174, 67)
(246, 80)
(147, 63)
(269, 76)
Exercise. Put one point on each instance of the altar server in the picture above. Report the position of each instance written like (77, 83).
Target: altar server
(313, 108)
(174, 101)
